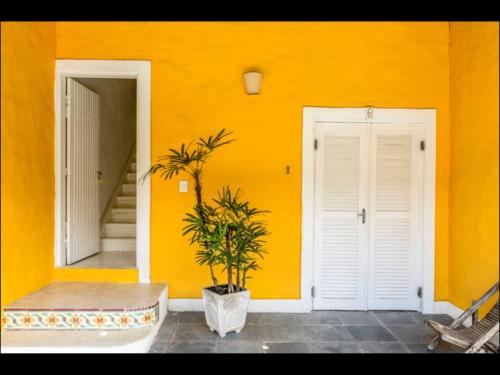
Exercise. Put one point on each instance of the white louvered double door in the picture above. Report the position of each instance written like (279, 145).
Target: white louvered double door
(367, 217)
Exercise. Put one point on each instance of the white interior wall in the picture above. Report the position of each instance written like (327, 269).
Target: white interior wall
(118, 128)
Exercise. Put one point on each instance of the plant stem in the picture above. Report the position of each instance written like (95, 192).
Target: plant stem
(238, 277)
(230, 288)
(197, 188)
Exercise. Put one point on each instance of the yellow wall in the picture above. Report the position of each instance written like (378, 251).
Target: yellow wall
(96, 274)
(27, 141)
(474, 160)
(197, 89)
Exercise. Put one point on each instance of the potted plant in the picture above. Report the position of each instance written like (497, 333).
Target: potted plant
(229, 234)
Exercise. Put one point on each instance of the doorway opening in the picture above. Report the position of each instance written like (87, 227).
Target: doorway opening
(101, 178)
(102, 149)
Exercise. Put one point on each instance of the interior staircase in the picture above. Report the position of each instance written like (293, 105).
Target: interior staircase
(118, 232)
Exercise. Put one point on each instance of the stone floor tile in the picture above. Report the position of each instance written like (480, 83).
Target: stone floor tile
(382, 347)
(192, 347)
(240, 346)
(192, 317)
(288, 347)
(370, 333)
(413, 334)
(357, 318)
(335, 347)
(395, 317)
(194, 332)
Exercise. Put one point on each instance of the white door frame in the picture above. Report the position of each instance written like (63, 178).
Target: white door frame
(128, 69)
(426, 117)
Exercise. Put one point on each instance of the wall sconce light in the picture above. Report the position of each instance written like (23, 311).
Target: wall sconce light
(252, 82)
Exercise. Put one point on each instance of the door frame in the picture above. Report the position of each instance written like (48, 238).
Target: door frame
(125, 69)
(426, 117)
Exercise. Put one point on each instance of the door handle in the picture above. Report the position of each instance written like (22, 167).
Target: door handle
(363, 215)
(99, 174)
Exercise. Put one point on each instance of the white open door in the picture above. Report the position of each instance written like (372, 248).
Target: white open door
(82, 184)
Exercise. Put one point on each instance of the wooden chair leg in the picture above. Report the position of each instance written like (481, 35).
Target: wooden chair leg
(490, 348)
(435, 342)
(436, 327)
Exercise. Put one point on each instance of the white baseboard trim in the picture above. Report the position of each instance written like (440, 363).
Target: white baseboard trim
(448, 308)
(297, 306)
(255, 305)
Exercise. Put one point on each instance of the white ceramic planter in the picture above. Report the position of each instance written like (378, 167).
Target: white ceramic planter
(226, 313)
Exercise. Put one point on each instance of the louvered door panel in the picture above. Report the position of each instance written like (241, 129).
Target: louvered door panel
(341, 173)
(83, 237)
(339, 258)
(393, 219)
(340, 240)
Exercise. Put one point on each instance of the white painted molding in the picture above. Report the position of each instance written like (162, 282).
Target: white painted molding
(294, 306)
(448, 308)
(255, 305)
(298, 306)
(127, 69)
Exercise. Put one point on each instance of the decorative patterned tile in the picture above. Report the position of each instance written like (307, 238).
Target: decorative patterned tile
(80, 319)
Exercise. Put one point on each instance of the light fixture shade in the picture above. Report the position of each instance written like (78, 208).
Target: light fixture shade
(252, 82)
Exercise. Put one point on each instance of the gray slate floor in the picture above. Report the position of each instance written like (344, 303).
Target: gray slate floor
(317, 332)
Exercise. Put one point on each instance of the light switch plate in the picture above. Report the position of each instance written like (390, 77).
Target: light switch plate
(183, 186)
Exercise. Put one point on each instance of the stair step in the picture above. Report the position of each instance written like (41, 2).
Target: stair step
(118, 244)
(119, 230)
(133, 167)
(129, 189)
(123, 215)
(125, 202)
(131, 178)
(56, 306)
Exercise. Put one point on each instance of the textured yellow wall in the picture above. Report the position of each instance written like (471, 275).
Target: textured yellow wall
(96, 274)
(474, 160)
(27, 141)
(197, 89)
